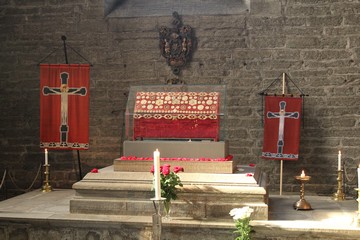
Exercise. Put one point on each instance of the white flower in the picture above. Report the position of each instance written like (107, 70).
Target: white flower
(241, 213)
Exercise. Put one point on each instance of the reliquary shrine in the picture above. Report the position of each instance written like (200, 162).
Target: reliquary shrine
(187, 124)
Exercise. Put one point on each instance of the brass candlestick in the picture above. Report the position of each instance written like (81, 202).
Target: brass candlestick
(302, 204)
(339, 195)
(47, 187)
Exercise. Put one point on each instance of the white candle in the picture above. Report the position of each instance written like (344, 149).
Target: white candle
(46, 157)
(358, 176)
(157, 174)
(302, 174)
(339, 161)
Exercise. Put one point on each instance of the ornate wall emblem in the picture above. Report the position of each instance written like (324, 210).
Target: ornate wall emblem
(176, 44)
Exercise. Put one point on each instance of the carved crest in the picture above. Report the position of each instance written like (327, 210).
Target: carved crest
(176, 44)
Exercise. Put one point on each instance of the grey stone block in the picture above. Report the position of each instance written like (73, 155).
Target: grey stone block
(203, 195)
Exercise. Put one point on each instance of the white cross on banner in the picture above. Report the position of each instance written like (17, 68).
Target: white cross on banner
(64, 106)
(282, 128)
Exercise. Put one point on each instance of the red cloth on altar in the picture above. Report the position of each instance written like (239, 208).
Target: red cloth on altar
(64, 106)
(176, 115)
(282, 128)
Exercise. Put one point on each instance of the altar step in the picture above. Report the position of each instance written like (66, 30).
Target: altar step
(204, 196)
(195, 153)
(42, 216)
(198, 210)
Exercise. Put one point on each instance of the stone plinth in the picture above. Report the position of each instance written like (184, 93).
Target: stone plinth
(191, 150)
(204, 195)
(174, 149)
(190, 166)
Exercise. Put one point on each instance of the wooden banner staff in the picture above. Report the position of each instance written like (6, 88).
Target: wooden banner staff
(282, 161)
(302, 95)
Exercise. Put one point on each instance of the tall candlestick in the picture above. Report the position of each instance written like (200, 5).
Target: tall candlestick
(339, 161)
(358, 172)
(46, 157)
(157, 174)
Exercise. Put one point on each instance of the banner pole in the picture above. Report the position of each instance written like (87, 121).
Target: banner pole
(281, 175)
(283, 84)
(282, 161)
(65, 50)
(79, 165)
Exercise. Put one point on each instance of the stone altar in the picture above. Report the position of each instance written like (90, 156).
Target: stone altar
(187, 123)
(204, 195)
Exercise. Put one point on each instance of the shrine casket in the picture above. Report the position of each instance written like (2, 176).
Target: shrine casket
(186, 123)
(167, 115)
(175, 112)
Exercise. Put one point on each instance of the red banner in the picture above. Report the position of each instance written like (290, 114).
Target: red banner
(64, 106)
(282, 128)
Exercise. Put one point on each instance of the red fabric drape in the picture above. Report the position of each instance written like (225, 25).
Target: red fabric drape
(64, 106)
(170, 129)
(166, 115)
(281, 140)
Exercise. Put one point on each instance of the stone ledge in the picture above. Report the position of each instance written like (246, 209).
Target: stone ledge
(189, 166)
(46, 215)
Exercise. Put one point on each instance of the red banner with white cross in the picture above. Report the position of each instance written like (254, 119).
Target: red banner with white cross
(282, 128)
(64, 106)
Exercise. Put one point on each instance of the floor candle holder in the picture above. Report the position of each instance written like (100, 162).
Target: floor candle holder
(339, 195)
(156, 218)
(47, 187)
(302, 204)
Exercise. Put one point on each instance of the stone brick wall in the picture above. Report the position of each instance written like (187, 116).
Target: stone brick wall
(317, 43)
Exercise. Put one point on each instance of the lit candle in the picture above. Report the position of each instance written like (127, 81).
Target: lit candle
(157, 174)
(46, 157)
(302, 174)
(339, 161)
